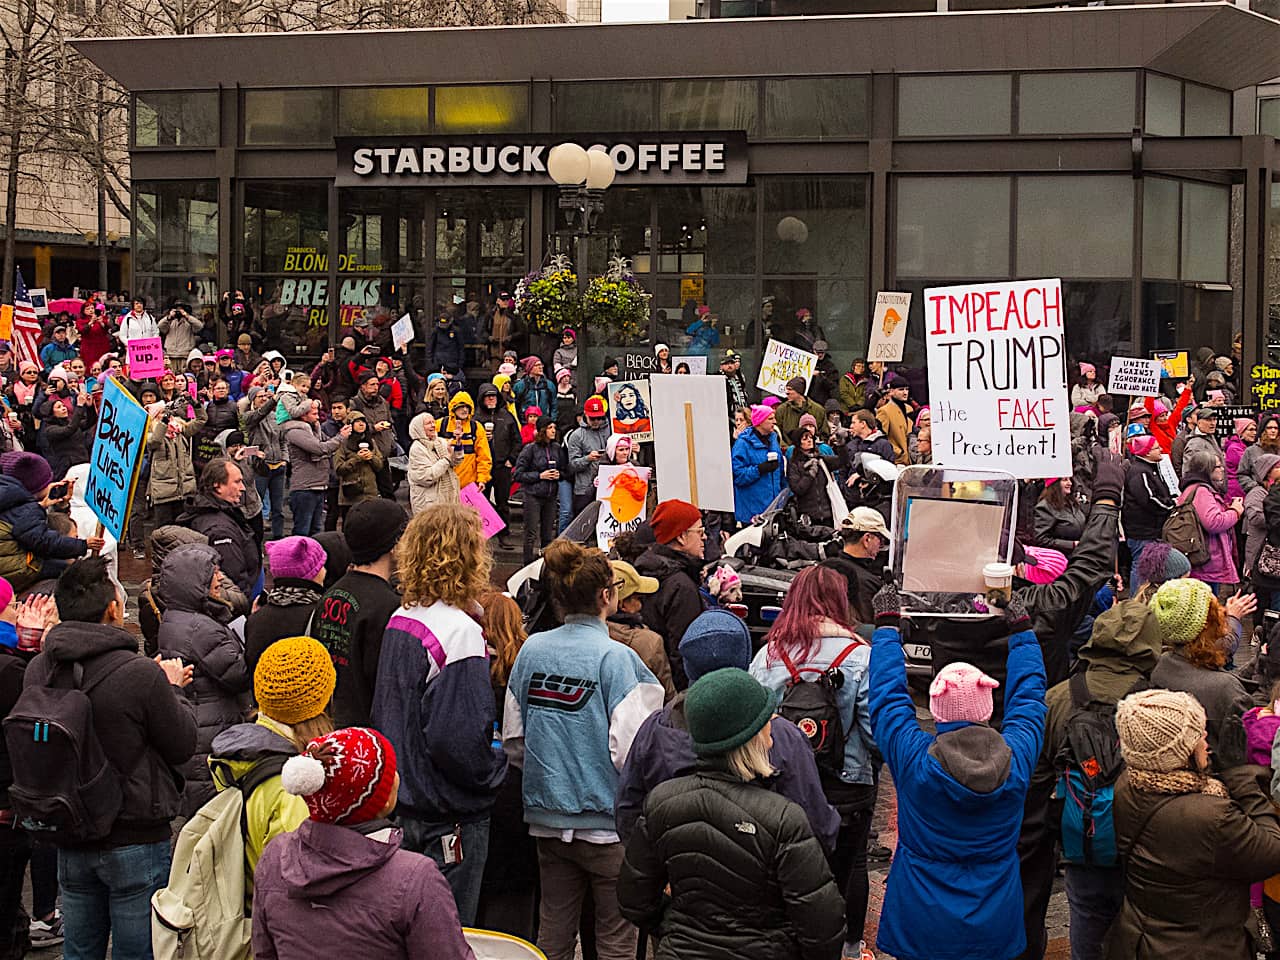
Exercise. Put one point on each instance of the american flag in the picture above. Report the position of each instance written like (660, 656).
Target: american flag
(26, 327)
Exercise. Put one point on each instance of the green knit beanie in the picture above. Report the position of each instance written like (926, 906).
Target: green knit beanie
(1182, 608)
(725, 709)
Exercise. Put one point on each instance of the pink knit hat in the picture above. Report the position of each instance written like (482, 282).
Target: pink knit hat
(759, 414)
(1241, 424)
(961, 692)
(1048, 565)
(1141, 445)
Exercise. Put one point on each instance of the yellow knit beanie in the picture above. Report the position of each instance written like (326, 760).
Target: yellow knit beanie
(294, 680)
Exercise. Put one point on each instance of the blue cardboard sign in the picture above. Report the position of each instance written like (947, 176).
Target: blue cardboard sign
(117, 454)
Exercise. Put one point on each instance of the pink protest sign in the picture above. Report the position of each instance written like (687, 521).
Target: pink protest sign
(490, 522)
(146, 358)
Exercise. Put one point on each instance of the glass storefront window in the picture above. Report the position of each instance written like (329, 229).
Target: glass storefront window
(481, 232)
(175, 226)
(816, 107)
(1206, 216)
(187, 118)
(710, 105)
(1084, 102)
(1208, 111)
(1160, 228)
(383, 111)
(732, 304)
(622, 230)
(1050, 210)
(286, 227)
(383, 230)
(838, 308)
(954, 105)
(953, 227)
(288, 118)
(706, 230)
(1099, 317)
(1164, 106)
(815, 226)
(294, 309)
(500, 108)
(595, 107)
(199, 294)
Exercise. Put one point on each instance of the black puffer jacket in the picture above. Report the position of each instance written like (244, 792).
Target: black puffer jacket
(229, 532)
(151, 607)
(669, 612)
(748, 878)
(221, 679)
(500, 426)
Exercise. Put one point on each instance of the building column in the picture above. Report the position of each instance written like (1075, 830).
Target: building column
(1258, 153)
(44, 265)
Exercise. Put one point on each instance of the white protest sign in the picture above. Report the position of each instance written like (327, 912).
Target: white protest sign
(623, 494)
(998, 377)
(889, 326)
(1134, 377)
(697, 365)
(402, 332)
(691, 440)
(39, 298)
(781, 363)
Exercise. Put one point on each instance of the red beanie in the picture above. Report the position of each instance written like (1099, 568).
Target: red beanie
(345, 777)
(672, 518)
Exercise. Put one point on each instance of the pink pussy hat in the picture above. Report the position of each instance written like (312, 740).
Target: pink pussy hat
(961, 692)
(1044, 565)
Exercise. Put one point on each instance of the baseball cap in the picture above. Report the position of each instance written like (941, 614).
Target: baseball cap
(594, 407)
(630, 580)
(865, 520)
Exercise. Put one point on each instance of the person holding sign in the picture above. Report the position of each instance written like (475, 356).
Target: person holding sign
(30, 549)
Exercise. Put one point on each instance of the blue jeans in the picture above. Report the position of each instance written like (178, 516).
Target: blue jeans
(107, 893)
(1135, 554)
(566, 505)
(424, 836)
(271, 490)
(308, 512)
(1094, 895)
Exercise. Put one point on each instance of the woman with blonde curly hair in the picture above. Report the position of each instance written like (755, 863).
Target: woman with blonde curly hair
(433, 700)
(1196, 628)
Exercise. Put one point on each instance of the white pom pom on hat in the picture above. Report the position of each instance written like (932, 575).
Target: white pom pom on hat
(302, 776)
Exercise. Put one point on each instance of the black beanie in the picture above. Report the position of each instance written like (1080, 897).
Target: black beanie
(377, 526)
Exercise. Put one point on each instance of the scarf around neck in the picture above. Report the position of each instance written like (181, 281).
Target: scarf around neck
(1177, 782)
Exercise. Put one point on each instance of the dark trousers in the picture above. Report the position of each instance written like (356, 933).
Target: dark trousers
(464, 878)
(1037, 859)
(539, 523)
(1094, 895)
(502, 492)
(15, 848)
(582, 500)
(331, 508)
(44, 879)
(386, 486)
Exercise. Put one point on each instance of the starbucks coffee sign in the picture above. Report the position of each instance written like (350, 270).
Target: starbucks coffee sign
(522, 159)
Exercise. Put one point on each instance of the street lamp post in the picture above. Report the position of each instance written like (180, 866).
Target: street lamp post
(582, 176)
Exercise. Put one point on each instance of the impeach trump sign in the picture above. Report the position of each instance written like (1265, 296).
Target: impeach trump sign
(998, 377)
(117, 452)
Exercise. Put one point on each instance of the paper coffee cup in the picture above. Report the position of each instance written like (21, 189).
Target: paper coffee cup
(999, 579)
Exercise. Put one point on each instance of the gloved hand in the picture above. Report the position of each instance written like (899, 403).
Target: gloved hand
(1232, 749)
(887, 605)
(1015, 614)
(1108, 475)
(769, 466)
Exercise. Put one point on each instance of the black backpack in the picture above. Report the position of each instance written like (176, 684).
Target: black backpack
(64, 790)
(1182, 531)
(811, 706)
(1088, 764)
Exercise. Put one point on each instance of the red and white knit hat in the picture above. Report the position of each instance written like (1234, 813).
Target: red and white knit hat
(345, 777)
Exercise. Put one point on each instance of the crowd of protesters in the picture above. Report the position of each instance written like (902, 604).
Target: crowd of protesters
(417, 753)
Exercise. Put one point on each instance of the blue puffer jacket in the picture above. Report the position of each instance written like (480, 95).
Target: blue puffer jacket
(540, 393)
(28, 532)
(753, 490)
(960, 799)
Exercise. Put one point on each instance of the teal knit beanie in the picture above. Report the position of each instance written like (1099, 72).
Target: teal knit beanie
(1182, 609)
(724, 709)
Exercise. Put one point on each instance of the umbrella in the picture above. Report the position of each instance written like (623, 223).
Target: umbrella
(66, 305)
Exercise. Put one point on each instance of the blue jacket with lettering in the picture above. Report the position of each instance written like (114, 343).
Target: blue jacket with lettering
(960, 800)
(24, 529)
(753, 490)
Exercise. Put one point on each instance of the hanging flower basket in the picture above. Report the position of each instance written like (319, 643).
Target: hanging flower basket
(616, 303)
(547, 299)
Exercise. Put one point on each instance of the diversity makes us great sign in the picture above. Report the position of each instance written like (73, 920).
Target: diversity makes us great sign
(998, 377)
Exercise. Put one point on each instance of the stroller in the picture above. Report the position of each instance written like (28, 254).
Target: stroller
(491, 945)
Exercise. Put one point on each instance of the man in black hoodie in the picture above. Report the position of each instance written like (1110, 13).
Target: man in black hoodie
(504, 447)
(146, 728)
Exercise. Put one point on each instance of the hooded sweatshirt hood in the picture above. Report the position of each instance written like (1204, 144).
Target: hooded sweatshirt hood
(418, 427)
(72, 640)
(1263, 465)
(975, 755)
(249, 742)
(327, 859)
(487, 390)
(185, 577)
(12, 493)
(169, 537)
(195, 354)
(1125, 640)
(460, 398)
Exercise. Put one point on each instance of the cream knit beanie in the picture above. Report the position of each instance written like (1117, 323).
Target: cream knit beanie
(1159, 729)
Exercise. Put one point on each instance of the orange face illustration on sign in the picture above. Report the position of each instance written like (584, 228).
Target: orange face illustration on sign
(891, 319)
(626, 496)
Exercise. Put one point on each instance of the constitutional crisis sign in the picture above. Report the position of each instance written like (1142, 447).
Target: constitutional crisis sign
(998, 373)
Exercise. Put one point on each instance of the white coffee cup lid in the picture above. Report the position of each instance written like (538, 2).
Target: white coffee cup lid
(997, 571)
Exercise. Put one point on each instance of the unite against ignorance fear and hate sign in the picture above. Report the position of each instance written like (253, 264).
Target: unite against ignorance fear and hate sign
(998, 377)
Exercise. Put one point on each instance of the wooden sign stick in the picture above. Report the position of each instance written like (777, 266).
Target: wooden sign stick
(98, 531)
(693, 463)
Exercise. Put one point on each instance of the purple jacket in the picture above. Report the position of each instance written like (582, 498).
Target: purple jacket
(1219, 524)
(663, 750)
(356, 895)
(1260, 732)
(1232, 451)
